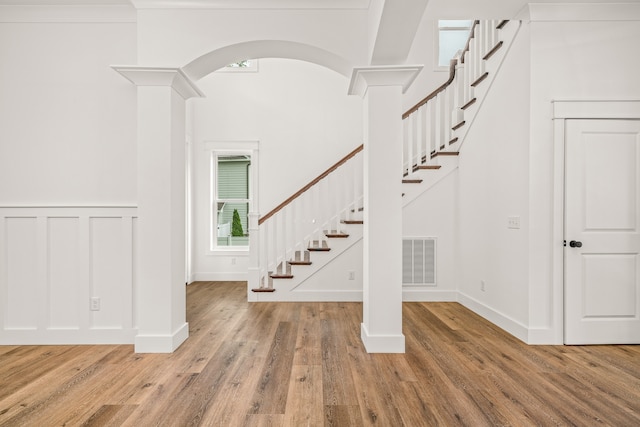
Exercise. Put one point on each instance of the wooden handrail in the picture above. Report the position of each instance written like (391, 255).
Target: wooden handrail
(471, 35)
(310, 184)
(452, 75)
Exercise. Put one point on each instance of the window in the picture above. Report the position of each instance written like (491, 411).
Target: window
(231, 201)
(244, 66)
(452, 37)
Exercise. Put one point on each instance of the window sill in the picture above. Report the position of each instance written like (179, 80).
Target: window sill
(236, 252)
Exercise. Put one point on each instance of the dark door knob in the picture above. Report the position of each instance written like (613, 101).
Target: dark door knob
(575, 244)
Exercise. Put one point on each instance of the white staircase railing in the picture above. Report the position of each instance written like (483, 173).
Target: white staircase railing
(285, 233)
(434, 125)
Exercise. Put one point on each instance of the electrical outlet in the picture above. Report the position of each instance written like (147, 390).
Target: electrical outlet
(482, 285)
(352, 275)
(513, 222)
(95, 304)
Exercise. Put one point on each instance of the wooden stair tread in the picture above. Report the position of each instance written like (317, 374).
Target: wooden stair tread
(352, 221)
(480, 79)
(299, 262)
(318, 246)
(444, 153)
(318, 249)
(281, 276)
(502, 24)
(453, 141)
(411, 181)
(336, 235)
(459, 125)
(428, 167)
(263, 290)
(493, 50)
(469, 103)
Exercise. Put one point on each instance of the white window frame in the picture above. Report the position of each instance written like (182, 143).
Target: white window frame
(216, 149)
(437, 46)
(252, 68)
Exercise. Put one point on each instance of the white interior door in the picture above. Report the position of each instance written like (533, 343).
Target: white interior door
(602, 253)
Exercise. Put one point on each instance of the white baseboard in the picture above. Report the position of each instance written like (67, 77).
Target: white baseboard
(161, 343)
(510, 325)
(66, 336)
(428, 295)
(544, 336)
(219, 277)
(307, 296)
(382, 343)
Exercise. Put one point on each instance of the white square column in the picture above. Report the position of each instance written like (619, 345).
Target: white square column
(382, 88)
(161, 296)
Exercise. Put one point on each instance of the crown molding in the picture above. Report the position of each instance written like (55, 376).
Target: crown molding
(161, 76)
(384, 75)
(251, 4)
(67, 14)
(577, 12)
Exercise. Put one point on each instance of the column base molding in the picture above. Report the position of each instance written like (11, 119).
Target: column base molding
(382, 343)
(161, 343)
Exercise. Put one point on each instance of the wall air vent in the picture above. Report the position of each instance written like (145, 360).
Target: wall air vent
(419, 261)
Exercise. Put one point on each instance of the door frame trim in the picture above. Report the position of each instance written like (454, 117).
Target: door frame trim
(564, 110)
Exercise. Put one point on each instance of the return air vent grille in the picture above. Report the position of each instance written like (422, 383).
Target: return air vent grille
(419, 261)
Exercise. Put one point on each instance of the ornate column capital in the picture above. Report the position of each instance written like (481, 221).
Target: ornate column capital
(382, 75)
(160, 76)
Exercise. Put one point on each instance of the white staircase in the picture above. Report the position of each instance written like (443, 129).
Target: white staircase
(307, 233)
(304, 234)
(435, 129)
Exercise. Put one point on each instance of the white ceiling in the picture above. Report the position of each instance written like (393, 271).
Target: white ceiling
(61, 2)
(436, 9)
(225, 4)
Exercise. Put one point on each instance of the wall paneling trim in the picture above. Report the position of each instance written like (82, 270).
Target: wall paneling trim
(55, 262)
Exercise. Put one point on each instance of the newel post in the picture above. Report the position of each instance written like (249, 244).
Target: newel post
(161, 184)
(381, 88)
(254, 255)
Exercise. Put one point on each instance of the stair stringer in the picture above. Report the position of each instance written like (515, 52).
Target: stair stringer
(295, 289)
(492, 67)
(429, 178)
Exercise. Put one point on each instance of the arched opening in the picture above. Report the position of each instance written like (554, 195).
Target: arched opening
(214, 60)
(294, 113)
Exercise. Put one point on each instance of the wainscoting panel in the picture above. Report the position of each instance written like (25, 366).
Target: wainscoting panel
(64, 265)
(21, 273)
(53, 262)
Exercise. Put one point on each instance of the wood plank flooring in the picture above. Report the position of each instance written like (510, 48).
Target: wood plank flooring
(303, 364)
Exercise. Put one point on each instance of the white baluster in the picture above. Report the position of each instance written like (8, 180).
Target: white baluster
(443, 123)
(459, 84)
(486, 38)
(468, 71)
(449, 108)
(493, 33)
(431, 126)
(406, 146)
(286, 236)
(264, 248)
(254, 250)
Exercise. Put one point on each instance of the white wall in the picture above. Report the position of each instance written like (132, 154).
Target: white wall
(304, 122)
(493, 175)
(433, 214)
(507, 167)
(569, 61)
(176, 37)
(67, 138)
(67, 120)
(425, 51)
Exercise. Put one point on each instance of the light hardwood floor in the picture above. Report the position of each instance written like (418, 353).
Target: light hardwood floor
(303, 364)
